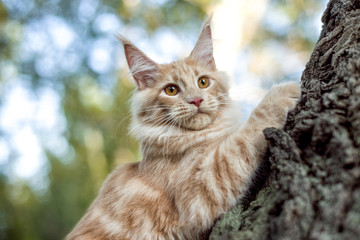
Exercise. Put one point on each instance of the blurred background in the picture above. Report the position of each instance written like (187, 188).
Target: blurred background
(65, 85)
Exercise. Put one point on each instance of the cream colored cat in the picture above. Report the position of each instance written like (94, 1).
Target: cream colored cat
(198, 161)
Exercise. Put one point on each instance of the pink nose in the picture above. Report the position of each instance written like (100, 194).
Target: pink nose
(196, 101)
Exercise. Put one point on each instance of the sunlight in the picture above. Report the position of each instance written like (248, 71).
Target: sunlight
(4, 151)
(30, 156)
(107, 23)
(27, 120)
(100, 58)
(234, 25)
(61, 33)
(87, 9)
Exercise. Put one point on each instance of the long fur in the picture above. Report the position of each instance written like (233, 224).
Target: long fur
(198, 161)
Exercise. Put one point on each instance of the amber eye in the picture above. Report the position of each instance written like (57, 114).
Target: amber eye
(203, 82)
(171, 90)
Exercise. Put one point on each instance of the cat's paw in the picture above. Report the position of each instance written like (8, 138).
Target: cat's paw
(284, 95)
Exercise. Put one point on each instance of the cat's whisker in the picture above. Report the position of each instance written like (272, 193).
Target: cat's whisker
(169, 135)
(151, 110)
(159, 120)
(121, 122)
(151, 139)
(155, 120)
(155, 107)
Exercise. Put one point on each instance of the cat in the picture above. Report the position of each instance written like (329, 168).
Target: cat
(198, 160)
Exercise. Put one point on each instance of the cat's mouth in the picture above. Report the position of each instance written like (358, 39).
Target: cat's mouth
(199, 111)
(191, 117)
(197, 121)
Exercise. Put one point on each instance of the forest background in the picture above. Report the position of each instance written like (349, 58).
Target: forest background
(65, 85)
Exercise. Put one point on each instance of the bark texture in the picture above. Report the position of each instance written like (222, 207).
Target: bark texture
(313, 188)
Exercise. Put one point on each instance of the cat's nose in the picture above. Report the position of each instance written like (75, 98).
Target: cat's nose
(196, 101)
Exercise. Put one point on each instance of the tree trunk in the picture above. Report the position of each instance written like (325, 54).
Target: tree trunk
(312, 190)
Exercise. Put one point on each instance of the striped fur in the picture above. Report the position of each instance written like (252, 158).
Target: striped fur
(197, 161)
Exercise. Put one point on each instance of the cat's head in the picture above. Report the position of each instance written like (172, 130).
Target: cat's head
(189, 94)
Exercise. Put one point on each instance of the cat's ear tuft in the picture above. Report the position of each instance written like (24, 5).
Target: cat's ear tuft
(141, 66)
(203, 50)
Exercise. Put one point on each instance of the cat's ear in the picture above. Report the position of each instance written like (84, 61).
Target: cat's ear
(203, 50)
(141, 66)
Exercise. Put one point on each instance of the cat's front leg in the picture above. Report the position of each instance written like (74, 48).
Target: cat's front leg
(271, 112)
(237, 158)
(273, 109)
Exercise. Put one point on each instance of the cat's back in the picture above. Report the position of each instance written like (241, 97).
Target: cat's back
(99, 218)
(128, 207)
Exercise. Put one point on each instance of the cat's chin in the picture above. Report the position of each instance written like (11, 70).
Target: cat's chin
(197, 122)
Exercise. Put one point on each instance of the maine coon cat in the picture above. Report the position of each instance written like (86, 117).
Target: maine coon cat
(198, 160)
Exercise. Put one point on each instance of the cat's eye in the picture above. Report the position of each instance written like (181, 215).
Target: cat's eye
(171, 90)
(203, 82)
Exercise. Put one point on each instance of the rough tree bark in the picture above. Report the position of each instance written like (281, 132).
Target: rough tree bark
(313, 188)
